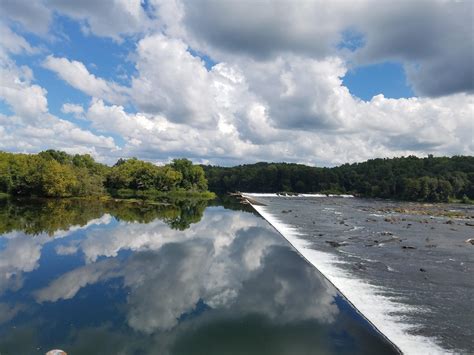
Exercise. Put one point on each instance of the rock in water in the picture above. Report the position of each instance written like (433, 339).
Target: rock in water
(335, 244)
(56, 352)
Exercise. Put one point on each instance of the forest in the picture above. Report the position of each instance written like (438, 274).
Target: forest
(430, 179)
(53, 173)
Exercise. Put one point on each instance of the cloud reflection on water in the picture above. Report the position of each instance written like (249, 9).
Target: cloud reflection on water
(223, 261)
(128, 285)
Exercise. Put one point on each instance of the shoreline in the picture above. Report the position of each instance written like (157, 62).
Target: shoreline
(365, 299)
(208, 195)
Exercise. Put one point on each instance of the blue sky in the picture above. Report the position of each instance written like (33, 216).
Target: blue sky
(387, 78)
(228, 83)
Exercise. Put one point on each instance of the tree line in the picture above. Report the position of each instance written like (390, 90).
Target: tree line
(53, 173)
(433, 179)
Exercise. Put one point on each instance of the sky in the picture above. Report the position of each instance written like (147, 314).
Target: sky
(231, 82)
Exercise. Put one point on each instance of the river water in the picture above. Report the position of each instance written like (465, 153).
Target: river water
(407, 267)
(177, 278)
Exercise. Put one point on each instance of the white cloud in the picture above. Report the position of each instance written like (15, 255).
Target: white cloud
(16, 87)
(431, 38)
(74, 109)
(47, 131)
(274, 95)
(172, 82)
(13, 43)
(26, 99)
(76, 74)
(31, 127)
(155, 137)
(288, 108)
(435, 37)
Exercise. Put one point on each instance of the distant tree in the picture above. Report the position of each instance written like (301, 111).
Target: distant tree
(57, 180)
(193, 176)
(55, 173)
(411, 178)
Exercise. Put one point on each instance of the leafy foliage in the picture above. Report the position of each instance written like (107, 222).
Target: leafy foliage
(51, 174)
(54, 173)
(409, 178)
(57, 174)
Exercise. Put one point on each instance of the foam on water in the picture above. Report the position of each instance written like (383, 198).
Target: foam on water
(256, 194)
(383, 312)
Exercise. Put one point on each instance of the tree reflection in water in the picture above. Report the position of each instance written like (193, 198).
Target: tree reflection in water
(35, 216)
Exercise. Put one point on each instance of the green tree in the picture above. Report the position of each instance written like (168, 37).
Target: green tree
(193, 176)
(57, 180)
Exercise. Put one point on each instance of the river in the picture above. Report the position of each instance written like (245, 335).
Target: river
(181, 277)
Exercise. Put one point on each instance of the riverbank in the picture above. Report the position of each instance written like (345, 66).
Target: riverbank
(156, 194)
(127, 195)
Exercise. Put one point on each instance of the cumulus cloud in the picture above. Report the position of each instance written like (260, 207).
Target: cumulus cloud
(13, 43)
(26, 99)
(302, 93)
(424, 35)
(156, 137)
(78, 76)
(183, 92)
(30, 127)
(46, 131)
(74, 109)
(288, 108)
(433, 39)
(237, 81)
(16, 87)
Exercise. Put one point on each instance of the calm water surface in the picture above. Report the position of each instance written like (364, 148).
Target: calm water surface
(183, 278)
